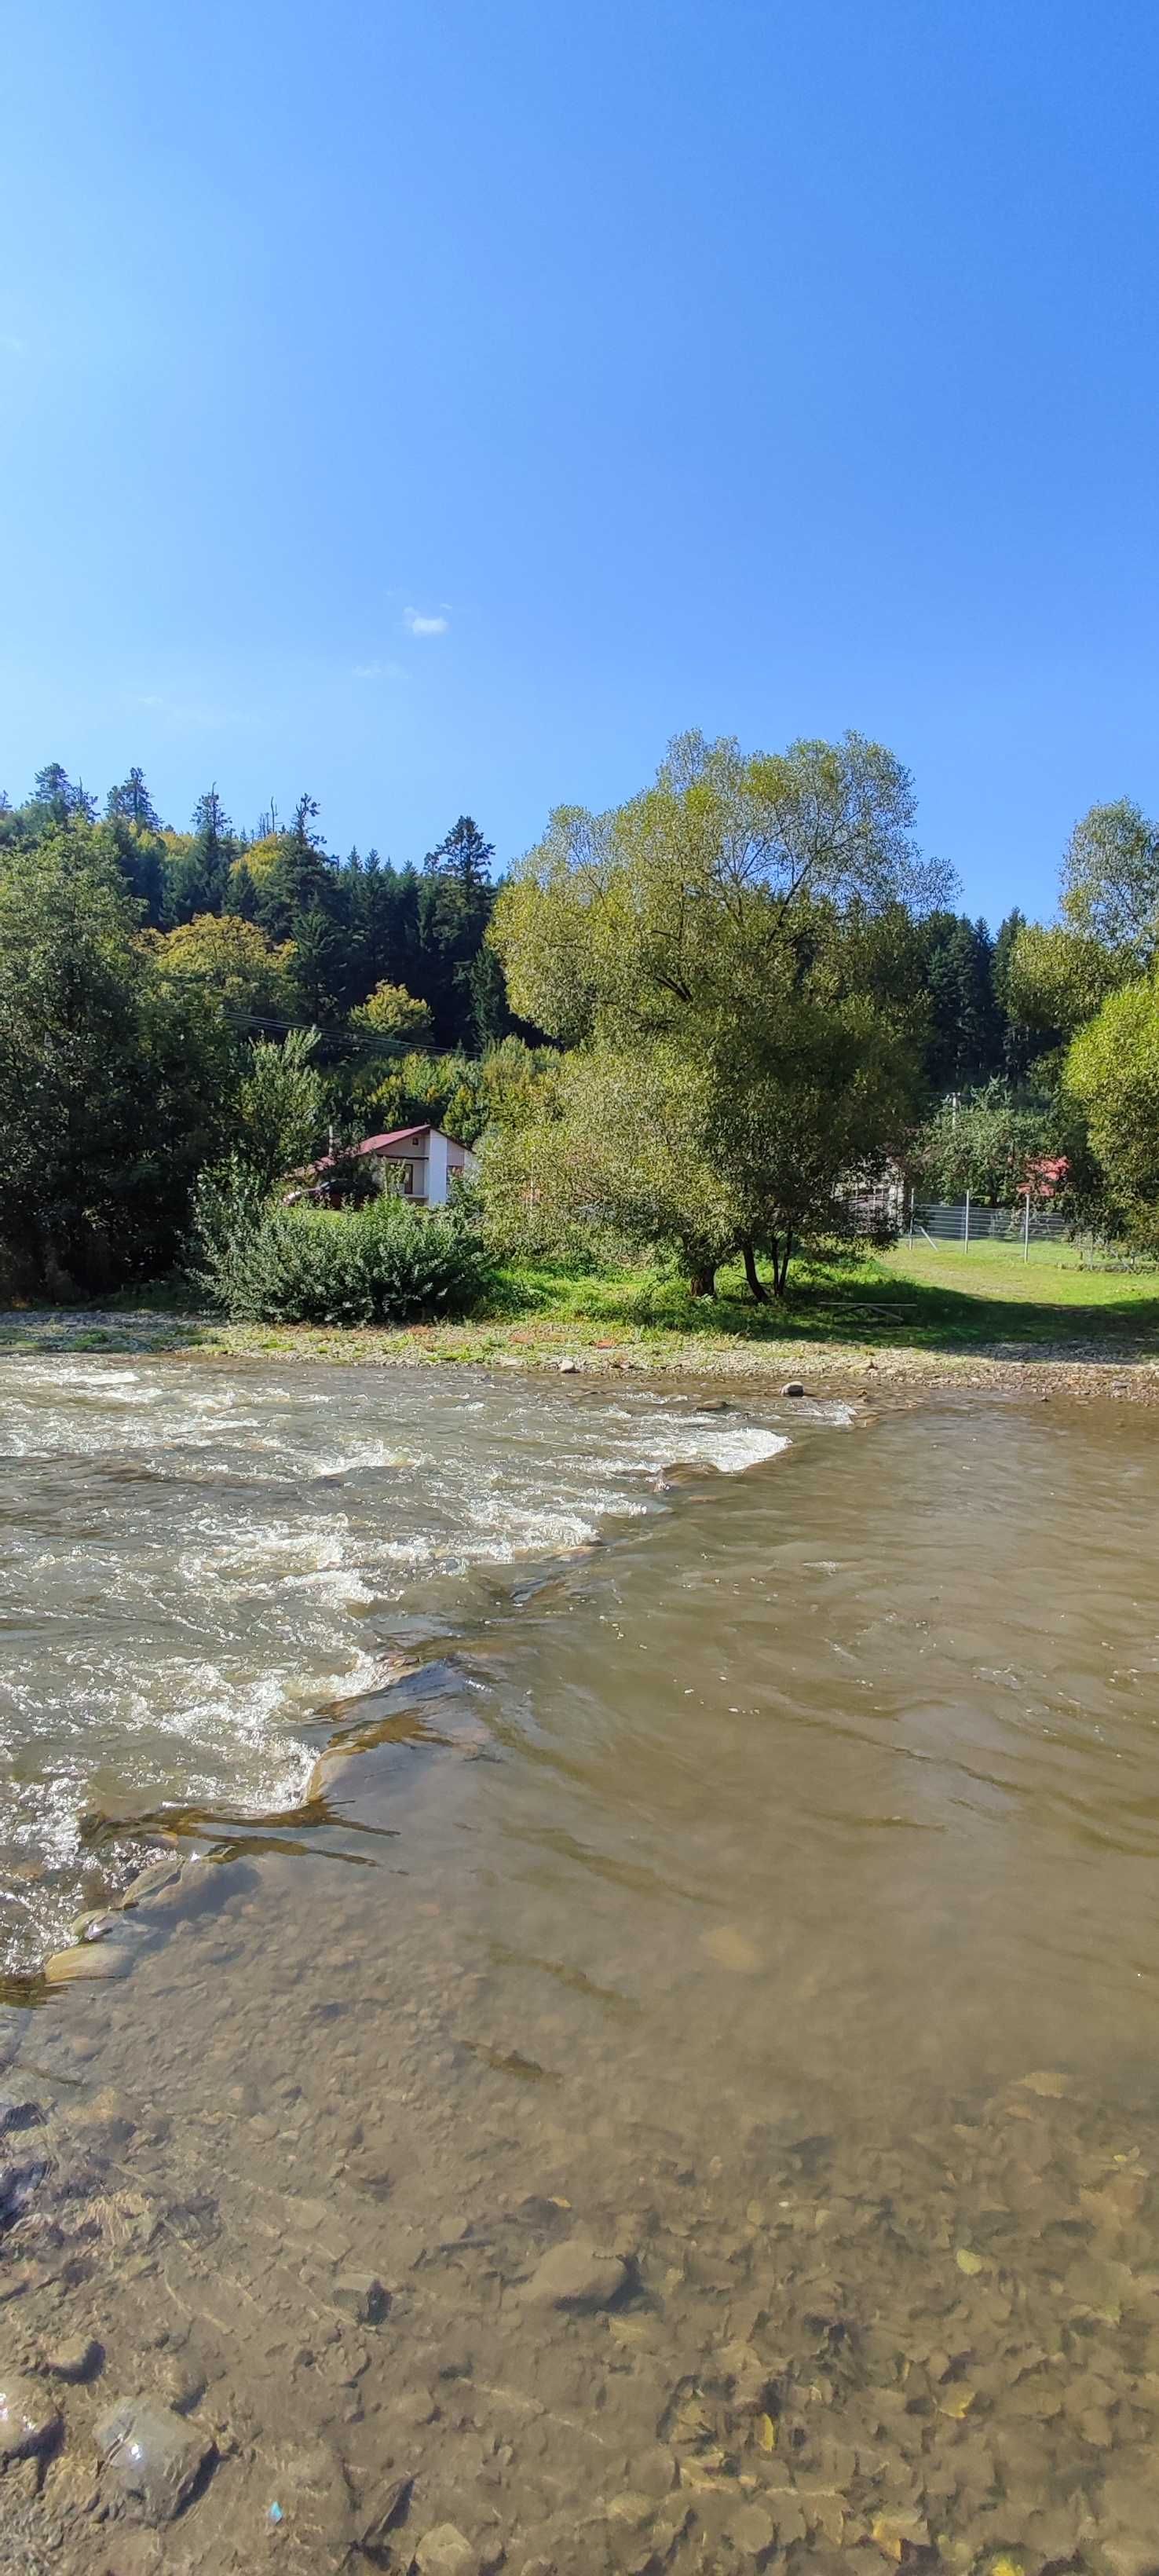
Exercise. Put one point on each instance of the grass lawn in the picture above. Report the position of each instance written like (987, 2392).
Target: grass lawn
(914, 1313)
(944, 1300)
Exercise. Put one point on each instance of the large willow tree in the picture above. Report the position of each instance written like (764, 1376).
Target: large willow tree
(730, 957)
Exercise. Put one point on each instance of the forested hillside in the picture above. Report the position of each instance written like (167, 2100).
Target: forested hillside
(332, 929)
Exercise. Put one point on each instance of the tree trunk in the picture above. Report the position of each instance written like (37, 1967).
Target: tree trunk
(702, 1283)
(781, 1260)
(757, 1288)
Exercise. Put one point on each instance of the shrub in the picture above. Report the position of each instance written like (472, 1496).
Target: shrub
(385, 1263)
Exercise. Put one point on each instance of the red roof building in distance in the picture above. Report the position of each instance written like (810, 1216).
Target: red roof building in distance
(429, 1160)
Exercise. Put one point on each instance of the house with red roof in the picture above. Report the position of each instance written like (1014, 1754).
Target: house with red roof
(426, 1158)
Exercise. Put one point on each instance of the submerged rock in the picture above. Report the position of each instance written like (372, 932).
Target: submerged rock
(16, 2113)
(445, 2552)
(29, 2417)
(152, 2457)
(18, 2183)
(309, 2521)
(576, 2275)
(362, 2295)
(80, 2358)
(89, 1959)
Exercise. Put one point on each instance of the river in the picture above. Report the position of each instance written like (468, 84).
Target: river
(674, 2084)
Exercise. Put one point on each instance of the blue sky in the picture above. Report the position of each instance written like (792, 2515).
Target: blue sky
(437, 406)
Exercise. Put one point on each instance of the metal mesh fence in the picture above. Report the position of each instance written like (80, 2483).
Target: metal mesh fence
(963, 1221)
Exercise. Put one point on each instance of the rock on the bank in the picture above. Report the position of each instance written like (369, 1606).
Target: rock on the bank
(576, 2275)
(151, 2456)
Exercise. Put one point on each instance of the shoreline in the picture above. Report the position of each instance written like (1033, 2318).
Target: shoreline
(1074, 1367)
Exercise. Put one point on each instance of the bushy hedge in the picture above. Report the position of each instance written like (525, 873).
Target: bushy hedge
(385, 1263)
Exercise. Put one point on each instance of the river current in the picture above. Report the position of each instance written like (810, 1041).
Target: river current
(656, 2064)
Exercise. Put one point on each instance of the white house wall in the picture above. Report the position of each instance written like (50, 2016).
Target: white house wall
(438, 1167)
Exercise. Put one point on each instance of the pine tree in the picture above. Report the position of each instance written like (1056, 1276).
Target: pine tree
(53, 790)
(463, 855)
(198, 877)
(132, 803)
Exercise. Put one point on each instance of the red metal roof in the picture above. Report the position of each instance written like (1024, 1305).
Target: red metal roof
(394, 1136)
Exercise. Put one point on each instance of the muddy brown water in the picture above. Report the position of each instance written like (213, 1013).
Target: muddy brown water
(684, 2090)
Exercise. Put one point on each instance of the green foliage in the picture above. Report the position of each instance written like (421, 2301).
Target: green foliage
(748, 1147)
(964, 1043)
(132, 803)
(235, 961)
(383, 1263)
(1059, 976)
(464, 856)
(750, 964)
(729, 952)
(281, 1107)
(391, 1012)
(619, 1157)
(115, 1084)
(463, 1094)
(1112, 1074)
(1110, 881)
(984, 1143)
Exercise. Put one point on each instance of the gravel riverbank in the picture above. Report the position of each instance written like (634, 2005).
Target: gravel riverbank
(1120, 1367)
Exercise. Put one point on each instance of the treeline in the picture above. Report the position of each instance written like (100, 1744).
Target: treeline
(685, 1026)
(334, 929)
(328, 930)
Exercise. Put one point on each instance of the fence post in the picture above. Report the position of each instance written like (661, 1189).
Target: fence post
(1026, 1230)
(966, 1238)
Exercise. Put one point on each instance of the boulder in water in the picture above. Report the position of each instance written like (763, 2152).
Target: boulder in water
(576, 2274)
(29, 2417)
(152, 2456)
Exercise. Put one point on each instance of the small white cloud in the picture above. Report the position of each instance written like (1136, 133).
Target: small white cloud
(420, 625)
(378, 671)
(192, 715)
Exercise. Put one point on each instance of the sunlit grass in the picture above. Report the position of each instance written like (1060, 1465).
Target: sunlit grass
(943, 1299)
